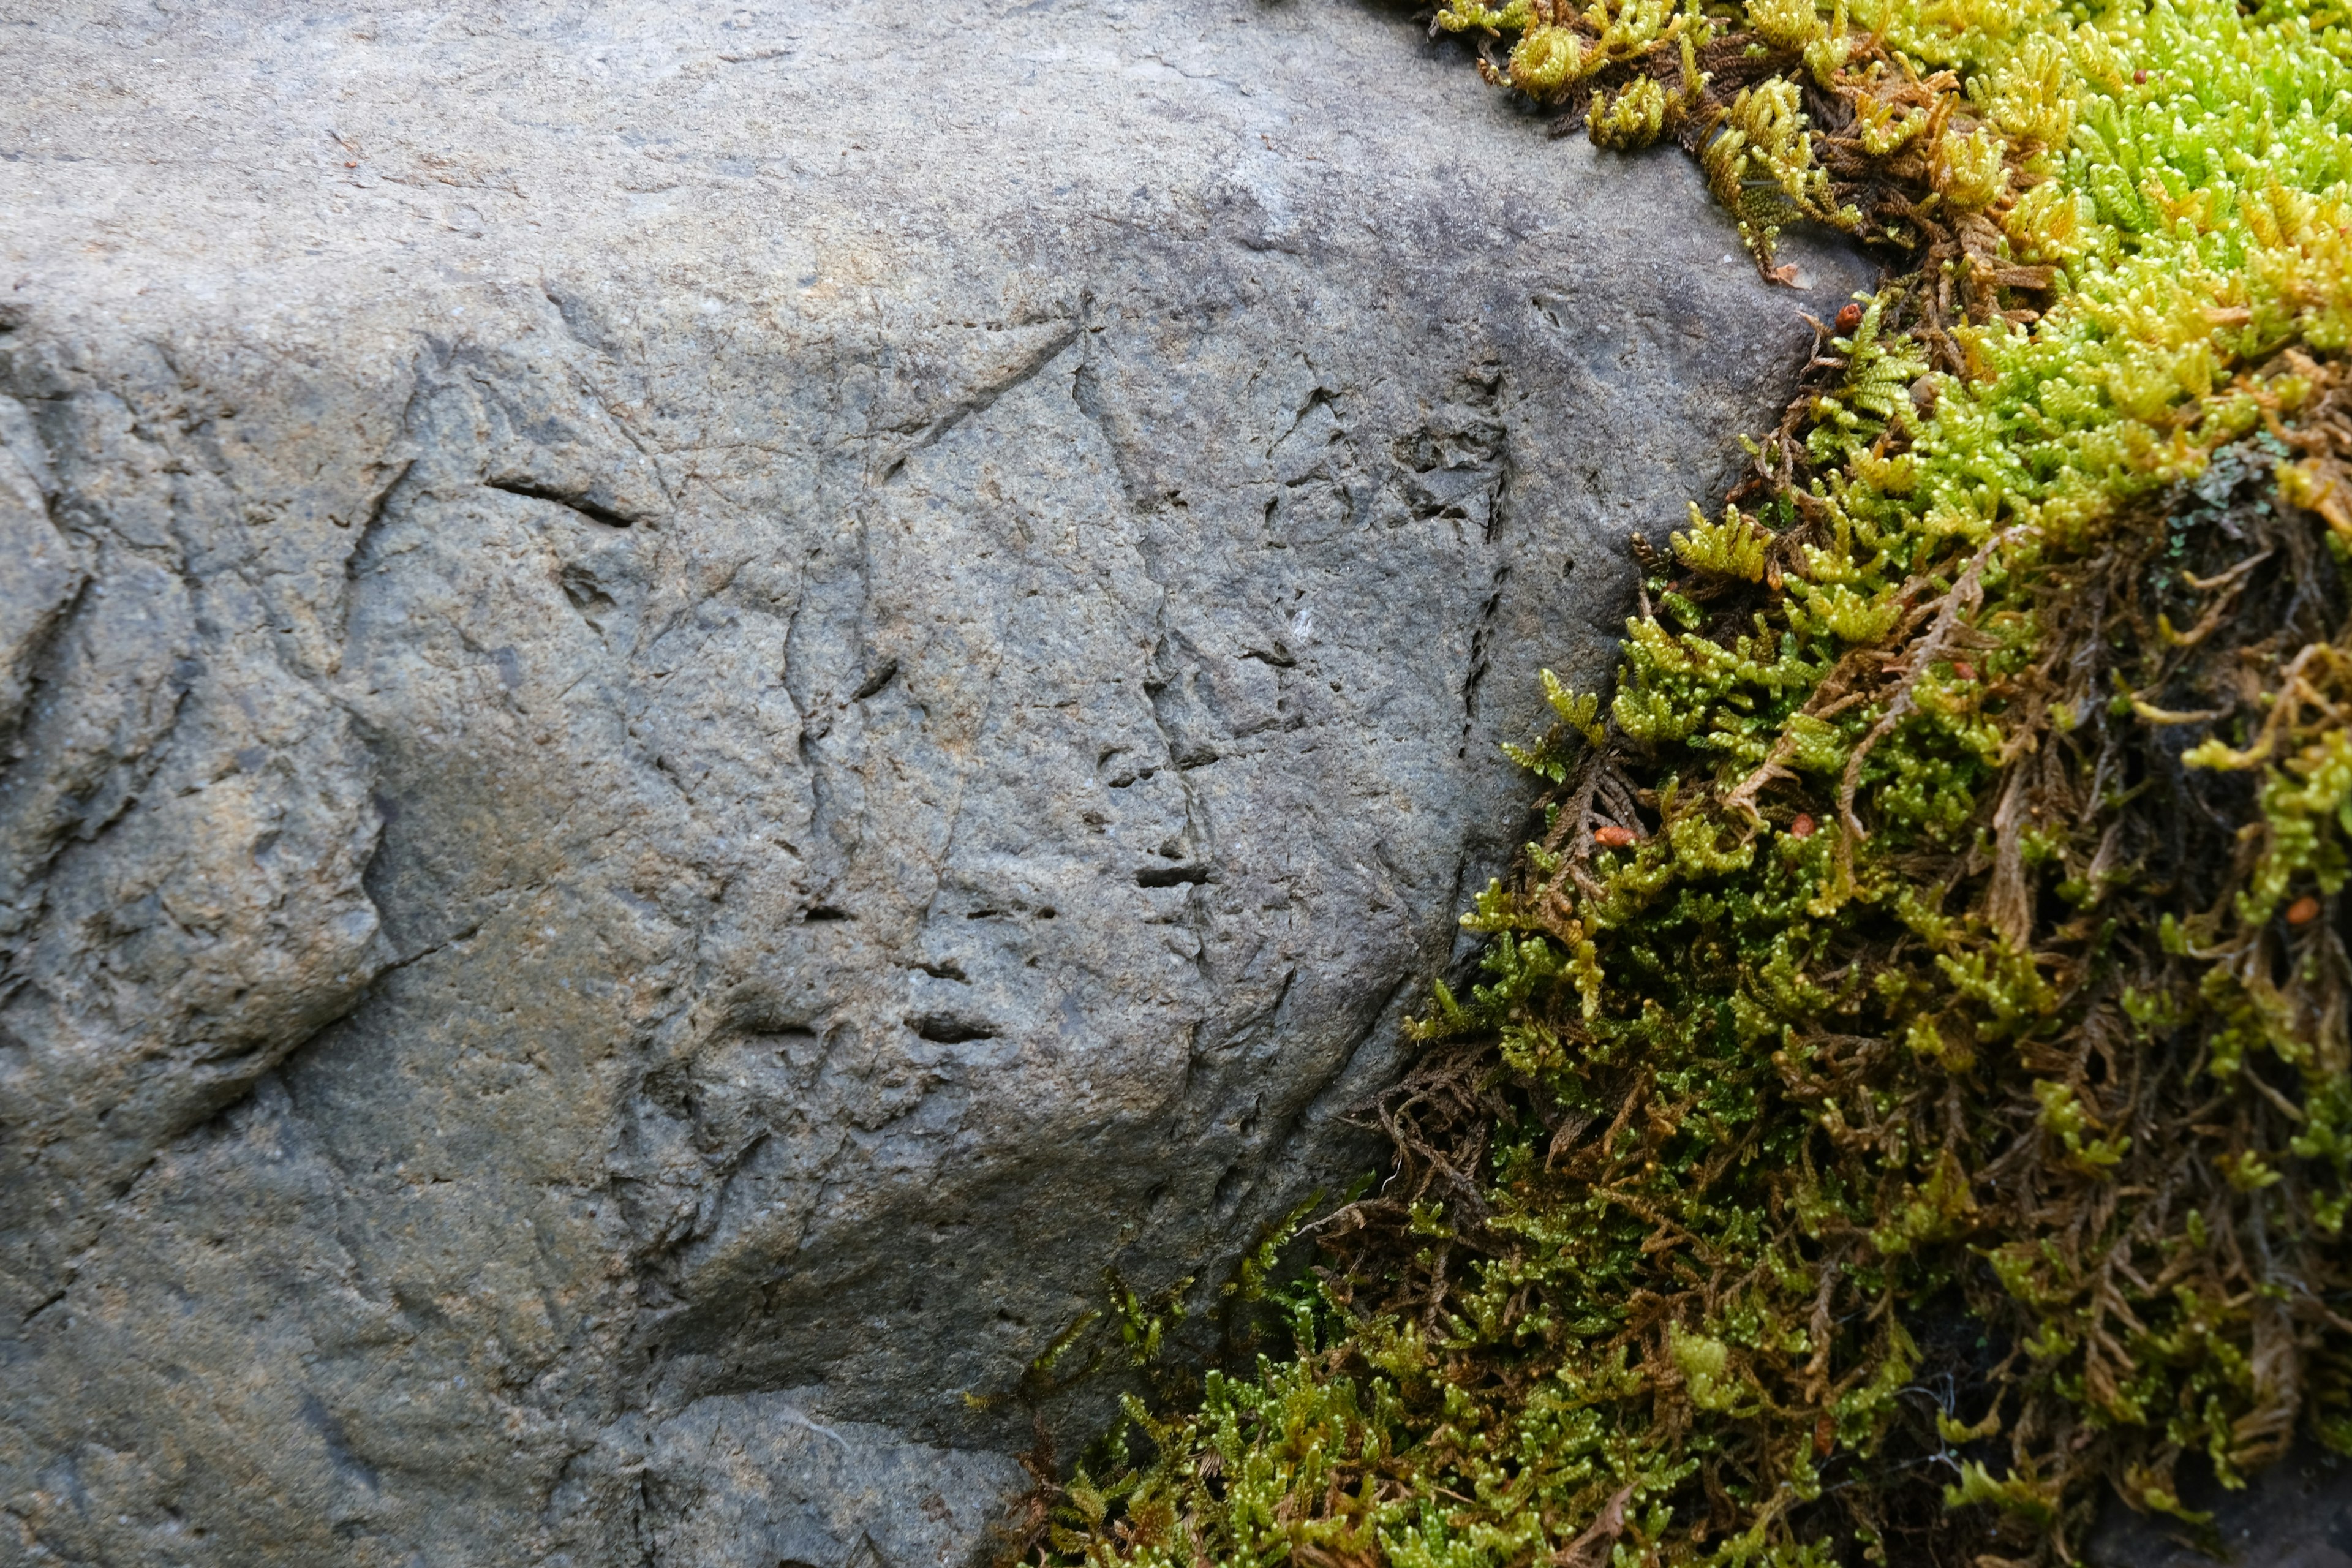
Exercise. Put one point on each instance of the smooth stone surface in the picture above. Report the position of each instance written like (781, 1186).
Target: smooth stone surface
(697, 703)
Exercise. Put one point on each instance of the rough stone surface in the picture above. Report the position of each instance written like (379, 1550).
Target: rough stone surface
(2296, 1514)
(695, 704)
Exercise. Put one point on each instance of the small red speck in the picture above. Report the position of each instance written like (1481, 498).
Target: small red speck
(2139, 78)
(1824, 1436)
(1849, 316)
(350, 165)
(1613, 836)
(2303, 912)
(1964, 669)
(1803, 827)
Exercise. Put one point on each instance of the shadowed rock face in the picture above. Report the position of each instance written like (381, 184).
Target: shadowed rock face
(697, 707)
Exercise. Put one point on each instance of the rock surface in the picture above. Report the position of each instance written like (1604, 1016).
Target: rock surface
(697, 703)
(2296, 1514)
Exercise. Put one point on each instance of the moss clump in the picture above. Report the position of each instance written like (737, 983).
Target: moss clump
(1909, 1085)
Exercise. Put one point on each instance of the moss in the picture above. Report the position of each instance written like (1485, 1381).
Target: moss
(1908, 1089)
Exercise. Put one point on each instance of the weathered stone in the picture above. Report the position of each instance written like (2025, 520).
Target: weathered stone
(698, 704)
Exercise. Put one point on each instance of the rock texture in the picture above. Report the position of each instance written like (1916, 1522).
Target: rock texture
(697, 703)
(2296, 1514)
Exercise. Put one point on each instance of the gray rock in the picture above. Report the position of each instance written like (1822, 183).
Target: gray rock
(2296, 1514)
(751, 1481)
(699, 703)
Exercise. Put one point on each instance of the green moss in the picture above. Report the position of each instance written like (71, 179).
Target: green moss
(1909, 1084)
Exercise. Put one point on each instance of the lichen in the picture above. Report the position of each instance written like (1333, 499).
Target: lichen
(1908, 1093)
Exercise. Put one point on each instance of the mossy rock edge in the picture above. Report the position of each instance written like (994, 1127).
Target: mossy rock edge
(1907, 1098)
